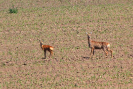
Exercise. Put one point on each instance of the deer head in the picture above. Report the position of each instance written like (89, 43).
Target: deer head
(41, 43)
(89, 35)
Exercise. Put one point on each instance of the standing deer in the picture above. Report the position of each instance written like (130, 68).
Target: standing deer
(98, 45)
(46, 48)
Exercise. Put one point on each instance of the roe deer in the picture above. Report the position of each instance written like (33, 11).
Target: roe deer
(46, 48)
(98, 45)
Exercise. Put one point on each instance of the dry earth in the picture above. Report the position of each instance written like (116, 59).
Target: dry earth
(21, 62)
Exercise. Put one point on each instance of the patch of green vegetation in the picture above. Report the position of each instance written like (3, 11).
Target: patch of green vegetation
(13, 10)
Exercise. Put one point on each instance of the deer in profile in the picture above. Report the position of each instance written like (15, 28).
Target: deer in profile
(46, 48)
(98, 45)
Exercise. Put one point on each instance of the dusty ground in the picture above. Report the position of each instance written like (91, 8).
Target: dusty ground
(21, 62)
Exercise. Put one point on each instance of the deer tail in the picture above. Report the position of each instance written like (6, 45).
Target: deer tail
(51, 48)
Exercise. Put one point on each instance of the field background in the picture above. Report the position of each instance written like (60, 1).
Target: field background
(63, 24)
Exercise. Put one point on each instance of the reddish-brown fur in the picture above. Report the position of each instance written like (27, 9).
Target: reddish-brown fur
(98, 45)
(46, 48)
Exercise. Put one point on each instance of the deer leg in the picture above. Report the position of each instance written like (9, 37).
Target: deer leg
(51, 53)
(92, 51)
(44, 54)
(106, 53)
(110, 52)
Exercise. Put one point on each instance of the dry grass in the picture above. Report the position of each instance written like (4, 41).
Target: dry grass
(63, 25)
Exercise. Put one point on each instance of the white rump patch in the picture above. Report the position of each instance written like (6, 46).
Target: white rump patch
(51, 48)
(108, 45)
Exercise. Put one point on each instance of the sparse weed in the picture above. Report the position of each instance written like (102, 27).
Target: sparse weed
(126, 52)
(3, 64)
(120, 59)
(9, 53)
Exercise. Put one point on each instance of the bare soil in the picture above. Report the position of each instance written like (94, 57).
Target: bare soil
(21, 62)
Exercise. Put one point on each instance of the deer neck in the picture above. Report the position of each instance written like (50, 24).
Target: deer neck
(41, 44)
(89, 42)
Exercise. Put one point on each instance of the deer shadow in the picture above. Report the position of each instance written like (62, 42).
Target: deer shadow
(86, 57)
(43, 58)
